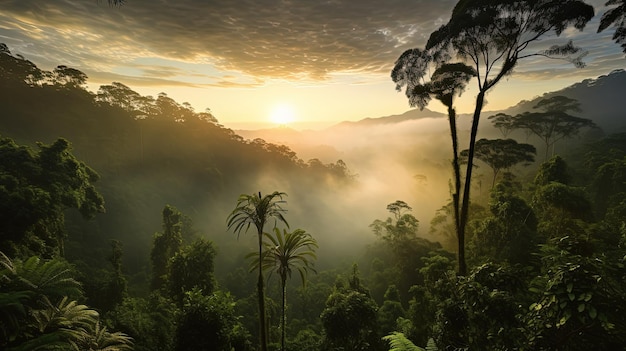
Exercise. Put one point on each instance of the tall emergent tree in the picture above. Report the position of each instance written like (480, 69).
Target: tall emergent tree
(492, 36)
(448, 80)
(286, 252)
(257, 210)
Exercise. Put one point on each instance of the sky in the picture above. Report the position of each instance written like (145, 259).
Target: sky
(253, 62)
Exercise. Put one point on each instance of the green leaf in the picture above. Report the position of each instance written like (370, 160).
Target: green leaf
(593, 313)
(570, 286)
(581, 307)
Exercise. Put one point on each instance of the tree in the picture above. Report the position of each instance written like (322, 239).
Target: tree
(284, 253)
(206, 322)
(447, 81)
(350, 318)
(397, 230)
(503, 122)
(553, 123)
(509, 234)
(390, 310)
(68, 77)
(502, 154)
(257, 210)
(192, 267)
(165, 246)
(616, 17)
(36, 188)
(492, 36)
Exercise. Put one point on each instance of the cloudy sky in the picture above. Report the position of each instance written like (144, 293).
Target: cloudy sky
(249, 60)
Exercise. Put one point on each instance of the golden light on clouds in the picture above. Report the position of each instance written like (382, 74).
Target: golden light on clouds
(330, 59)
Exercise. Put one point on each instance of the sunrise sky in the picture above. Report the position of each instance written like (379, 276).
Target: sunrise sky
(268, 61)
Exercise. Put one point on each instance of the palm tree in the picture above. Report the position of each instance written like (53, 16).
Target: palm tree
(285, 253)
(257, 210)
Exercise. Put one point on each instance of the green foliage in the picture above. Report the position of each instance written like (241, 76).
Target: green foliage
(509, 234)
(192, 267)
(349, 321)
(206, 322)
(32, 321)
(390, 311)
(398, 342)
(553, 170)
(479, 311)
(579, 300)
(35, 190)
(165, 246)
(149, 321)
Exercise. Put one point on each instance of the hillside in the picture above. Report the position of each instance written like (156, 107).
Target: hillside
(150, 152)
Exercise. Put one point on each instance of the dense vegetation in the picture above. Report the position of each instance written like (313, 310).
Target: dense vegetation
(545, 253)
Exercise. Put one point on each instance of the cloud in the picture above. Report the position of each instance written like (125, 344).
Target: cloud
(275, 39)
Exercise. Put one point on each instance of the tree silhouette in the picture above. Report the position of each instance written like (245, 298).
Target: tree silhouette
(553, 123)
(492, 36)
(502, 154)
(447, 81)
(257, 210)
(616, 17)
(285, 253)
(503, 122)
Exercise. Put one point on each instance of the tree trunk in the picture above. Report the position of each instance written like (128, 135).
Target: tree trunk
(455, 166)
(284, 319)
(480, 99)
(261, 295)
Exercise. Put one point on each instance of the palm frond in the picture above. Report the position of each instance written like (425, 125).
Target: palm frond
(100, 339)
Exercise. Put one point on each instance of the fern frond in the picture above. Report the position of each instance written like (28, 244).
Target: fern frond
(398, 342)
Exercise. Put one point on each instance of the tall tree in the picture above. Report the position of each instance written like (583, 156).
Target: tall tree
(615, 16)
(502, 154)
(286, 252)
(447, 81)
(492, 36)
(256, 210)
(166, 245)
(553, 122)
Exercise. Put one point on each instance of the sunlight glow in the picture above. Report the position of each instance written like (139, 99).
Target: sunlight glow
(282, 114)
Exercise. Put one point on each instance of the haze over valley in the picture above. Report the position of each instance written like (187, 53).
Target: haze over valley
(312, 176)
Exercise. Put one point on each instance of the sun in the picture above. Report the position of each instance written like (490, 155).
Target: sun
(282, 114)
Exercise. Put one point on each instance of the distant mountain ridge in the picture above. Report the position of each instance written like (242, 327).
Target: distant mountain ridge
(406, 116)
(601, 100)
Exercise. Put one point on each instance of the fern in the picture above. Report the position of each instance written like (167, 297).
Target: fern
(430, 346)
(399, 342)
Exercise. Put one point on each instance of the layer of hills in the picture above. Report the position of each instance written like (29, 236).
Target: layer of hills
(599, 98)
(153, 151)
